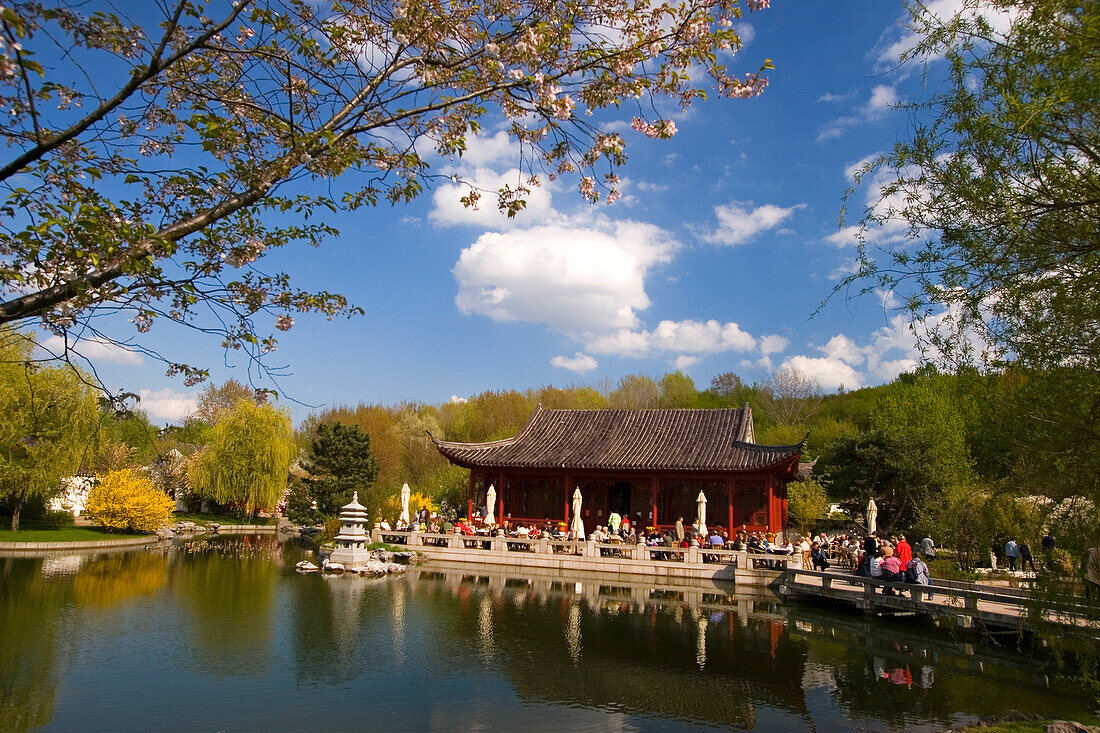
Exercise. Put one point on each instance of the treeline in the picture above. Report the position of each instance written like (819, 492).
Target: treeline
(972, 458)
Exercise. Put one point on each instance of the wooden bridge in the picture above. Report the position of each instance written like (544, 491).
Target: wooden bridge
(965, 605)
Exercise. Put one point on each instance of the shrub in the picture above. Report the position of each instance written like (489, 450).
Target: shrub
(126, 500)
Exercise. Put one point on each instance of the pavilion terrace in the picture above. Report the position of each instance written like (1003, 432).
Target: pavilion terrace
(648, 465)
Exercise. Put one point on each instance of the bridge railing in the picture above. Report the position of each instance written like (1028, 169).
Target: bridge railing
(611, 550)
(966, 595)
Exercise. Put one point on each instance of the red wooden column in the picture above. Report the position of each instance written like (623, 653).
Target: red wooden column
(568, 504)
(470, 498)
(773, 508)
(502, 484)
(653, 482)
(729, 505)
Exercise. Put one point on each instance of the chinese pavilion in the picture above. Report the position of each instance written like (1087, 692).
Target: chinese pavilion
(649, 465)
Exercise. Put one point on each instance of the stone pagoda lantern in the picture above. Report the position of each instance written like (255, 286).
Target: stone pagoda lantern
(351, 544)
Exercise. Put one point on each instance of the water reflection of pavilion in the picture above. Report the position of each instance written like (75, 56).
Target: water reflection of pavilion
(692, 651)
(698, 650)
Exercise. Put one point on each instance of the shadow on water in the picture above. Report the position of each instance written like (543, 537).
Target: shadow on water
(223, 634)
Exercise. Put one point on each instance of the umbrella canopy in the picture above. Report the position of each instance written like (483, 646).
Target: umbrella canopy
(490, 504)
(872, 516)
(701, 512)
(404, 504)
(577, 526)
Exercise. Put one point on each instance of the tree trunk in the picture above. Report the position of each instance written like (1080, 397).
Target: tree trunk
(16, 507)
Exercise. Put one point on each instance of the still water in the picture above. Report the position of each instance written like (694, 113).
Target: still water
(231, 638)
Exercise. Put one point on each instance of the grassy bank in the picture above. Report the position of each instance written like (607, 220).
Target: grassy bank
(50, 533)
(205, 519)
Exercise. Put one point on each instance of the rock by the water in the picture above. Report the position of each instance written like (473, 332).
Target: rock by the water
(1066, 726)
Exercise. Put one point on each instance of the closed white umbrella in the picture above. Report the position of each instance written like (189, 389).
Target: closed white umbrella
(701, 512)
(404, 504)
(577, 526)
(490, 504)
(872, 516)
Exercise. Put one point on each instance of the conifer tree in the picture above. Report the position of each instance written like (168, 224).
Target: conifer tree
(339, 464)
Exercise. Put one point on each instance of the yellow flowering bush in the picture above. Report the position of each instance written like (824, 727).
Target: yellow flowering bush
(127, 500)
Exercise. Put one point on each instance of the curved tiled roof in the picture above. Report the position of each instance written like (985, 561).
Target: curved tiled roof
(637, 440)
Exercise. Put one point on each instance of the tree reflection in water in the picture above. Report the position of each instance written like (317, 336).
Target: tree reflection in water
(228, 587)
(31, 634)
(450, 648)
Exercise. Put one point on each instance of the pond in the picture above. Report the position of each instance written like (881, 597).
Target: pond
(226, 636)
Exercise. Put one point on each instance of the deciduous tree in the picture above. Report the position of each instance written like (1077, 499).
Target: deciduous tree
(245, 463)
(155, 159)
(49, 416)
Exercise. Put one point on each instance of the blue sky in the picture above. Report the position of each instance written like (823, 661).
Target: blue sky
(726, 241)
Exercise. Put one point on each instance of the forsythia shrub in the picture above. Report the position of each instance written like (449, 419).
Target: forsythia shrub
(127, 500)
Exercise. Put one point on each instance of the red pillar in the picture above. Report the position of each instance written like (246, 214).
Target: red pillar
(729, 506)
(470, 497)
(773, 508)
(653, 482)
(566, 507)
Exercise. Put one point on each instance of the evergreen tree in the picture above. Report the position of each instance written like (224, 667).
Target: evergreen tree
(340, 463)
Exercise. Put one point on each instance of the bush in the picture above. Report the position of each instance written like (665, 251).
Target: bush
(60, 519)
(125, 500)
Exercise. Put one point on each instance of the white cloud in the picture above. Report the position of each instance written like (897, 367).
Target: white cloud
(482, 151)
(738, 222)
(167, 404)
(829, 97)
(685, 337)
(888, 210)
(456, 400)
(574, 279)
(772, 344)
(448, 209)
(899, 42)
(94, 350)
(881, 101)
(829, 373)
(859, 166)
(579, 363)
(844, 270)
(684, 361)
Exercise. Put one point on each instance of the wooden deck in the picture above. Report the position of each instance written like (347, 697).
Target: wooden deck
(966, 605)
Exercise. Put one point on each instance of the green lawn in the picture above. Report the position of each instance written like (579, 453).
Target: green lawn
(31, 532)
(205, 519)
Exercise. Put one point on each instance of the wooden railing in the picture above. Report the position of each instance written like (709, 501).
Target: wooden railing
(949, 596)
(611, 550)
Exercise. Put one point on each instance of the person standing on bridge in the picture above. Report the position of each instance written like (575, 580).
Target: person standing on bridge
(679, 531)
(904, 550)
(1026, 557)
(928, 548)
(1012, 552)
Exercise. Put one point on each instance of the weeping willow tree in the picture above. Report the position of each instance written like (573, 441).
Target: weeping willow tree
(245, 463)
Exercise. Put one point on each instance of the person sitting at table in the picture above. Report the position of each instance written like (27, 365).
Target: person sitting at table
(716, 540)
(818, 557)
(890, 569)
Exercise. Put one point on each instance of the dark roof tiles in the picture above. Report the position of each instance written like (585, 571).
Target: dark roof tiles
(693, 440)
